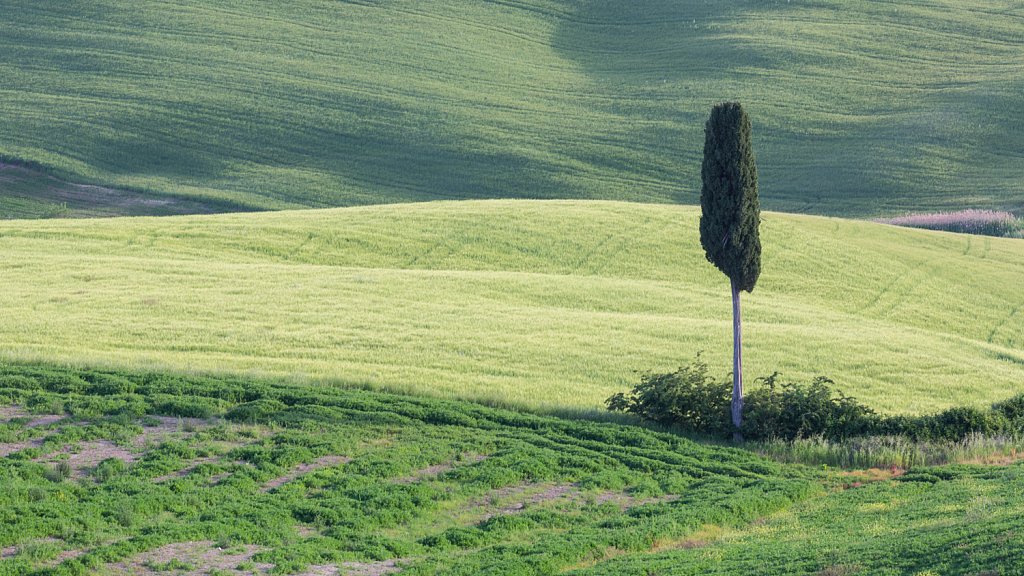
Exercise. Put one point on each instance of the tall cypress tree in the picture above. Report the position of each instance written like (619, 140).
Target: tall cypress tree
(730, 218)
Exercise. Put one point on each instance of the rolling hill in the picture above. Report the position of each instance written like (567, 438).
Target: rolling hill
(552, 305)
(860, 107)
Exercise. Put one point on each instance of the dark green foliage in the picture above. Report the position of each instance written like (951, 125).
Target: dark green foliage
(693, 401)
(689, 398)
(730, 208)
(790, 411)
(953, 424)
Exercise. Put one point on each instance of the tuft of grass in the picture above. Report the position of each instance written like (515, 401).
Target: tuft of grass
(894, 451)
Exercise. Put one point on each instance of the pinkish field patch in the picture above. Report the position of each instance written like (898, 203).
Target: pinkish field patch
(515, 499)
(202, 558)
(318, 464)
(8, 413)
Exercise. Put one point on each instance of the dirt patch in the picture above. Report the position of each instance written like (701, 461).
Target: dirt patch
(89, 455)
(53, 197)
(523, 496)
(187, 470)
(12, 551)
(200, 557)
(8, 413)
(497, 502)
(381, 568)
(438, 469)
(7, 448)
(63, 557)
(318, 464)
(160, 429)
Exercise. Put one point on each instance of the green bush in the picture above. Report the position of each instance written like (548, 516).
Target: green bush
(693, 401)
(791, 411)
(689, 398)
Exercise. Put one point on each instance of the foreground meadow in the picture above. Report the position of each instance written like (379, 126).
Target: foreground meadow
(145, 473)
(546, 305)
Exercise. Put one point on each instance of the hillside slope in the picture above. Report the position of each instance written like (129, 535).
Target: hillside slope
(860, 107)
(551, 305)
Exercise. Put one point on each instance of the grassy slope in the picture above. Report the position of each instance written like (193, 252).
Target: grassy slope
(861, 107)
(551, 305)
(298, 477)
(446, 487)
(956, 520)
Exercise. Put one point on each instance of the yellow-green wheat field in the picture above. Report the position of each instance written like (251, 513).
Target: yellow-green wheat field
(549, 305)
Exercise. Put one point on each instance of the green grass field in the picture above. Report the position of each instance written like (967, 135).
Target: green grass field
(128, 473)
(547, 305)
(860, 107)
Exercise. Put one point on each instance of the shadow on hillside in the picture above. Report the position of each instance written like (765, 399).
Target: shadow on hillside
(816, 141)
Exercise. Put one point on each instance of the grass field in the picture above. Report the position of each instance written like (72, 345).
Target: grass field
(130, 473)
(162, 474)
(548, 305)
(860, 107)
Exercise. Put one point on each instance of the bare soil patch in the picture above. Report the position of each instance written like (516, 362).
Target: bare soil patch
(523, 496)
(7, 448)
(438, 469)
(201, 557)
(381, 568)
(89, 455)
(8, 413)
(169, 428)
(318, 464)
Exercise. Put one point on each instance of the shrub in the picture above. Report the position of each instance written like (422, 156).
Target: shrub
(791, 411)
(952, 424)
(688, 398)
(693, 401)
(109, 469)
(60, 472)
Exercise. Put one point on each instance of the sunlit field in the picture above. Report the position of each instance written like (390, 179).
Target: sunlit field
(548, 305)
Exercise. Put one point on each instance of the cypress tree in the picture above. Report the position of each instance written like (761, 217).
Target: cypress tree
(730, 218)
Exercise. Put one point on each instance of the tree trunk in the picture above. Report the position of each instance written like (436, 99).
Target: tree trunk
(737, 364)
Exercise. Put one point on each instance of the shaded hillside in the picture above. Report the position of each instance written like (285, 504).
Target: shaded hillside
(860, 108)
